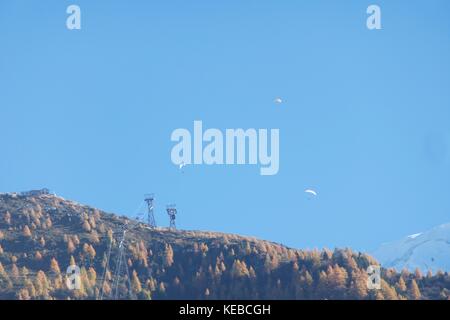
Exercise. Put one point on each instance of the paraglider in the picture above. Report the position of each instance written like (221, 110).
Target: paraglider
(181, 166)
(278, 100)
(311, 192)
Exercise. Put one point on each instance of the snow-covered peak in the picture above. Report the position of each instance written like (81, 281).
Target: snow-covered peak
(429, 250)
(415, 235)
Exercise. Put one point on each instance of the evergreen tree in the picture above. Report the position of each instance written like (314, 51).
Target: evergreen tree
(359, 284)
(7, 218)
(168, 255)
(388, 291)
(413, 290)
(54, 266)
(26, 232)
(401, 285)
(135, 283)
(86, 226)
(239, 269)
(70, 246)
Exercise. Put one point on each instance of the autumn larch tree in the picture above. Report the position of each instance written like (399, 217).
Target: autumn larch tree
(168, 255)
(26, 232)
(413, 290)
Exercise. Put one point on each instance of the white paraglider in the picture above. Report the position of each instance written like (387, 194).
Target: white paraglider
(278, 100)
(311, 192)
(181, 166)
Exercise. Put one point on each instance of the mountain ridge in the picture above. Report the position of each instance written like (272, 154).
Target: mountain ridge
(42, 234)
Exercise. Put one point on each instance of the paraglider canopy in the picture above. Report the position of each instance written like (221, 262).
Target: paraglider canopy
(311, 192)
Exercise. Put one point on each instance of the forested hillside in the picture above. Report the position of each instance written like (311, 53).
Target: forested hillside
(41, 235)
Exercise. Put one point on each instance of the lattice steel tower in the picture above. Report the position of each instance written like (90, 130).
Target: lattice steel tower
(172, 212)
(149, 198)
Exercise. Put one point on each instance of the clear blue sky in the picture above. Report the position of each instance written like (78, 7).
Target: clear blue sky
(365, 119)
